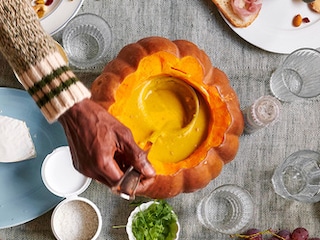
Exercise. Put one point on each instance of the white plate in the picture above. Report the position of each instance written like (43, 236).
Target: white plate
(59, 13)
(273, 30)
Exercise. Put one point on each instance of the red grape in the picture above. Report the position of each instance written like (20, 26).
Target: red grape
(254, 231)
(285, 234)
(300, 233)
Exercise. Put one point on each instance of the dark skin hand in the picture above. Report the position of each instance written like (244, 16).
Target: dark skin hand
(102, 148)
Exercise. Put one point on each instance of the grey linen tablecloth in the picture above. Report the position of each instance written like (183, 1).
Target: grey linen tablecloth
(249, 69)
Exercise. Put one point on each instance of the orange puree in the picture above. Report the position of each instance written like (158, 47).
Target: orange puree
(166, 117)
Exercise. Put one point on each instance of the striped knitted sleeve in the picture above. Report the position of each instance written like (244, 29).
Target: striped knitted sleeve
(36, 60)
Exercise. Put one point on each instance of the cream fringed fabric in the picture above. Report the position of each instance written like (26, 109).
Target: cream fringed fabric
(34, 57)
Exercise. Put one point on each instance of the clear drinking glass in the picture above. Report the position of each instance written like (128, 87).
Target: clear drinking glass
(298, 77)
(86, 40)
(298, 177)
(227, 209)
(263, 112)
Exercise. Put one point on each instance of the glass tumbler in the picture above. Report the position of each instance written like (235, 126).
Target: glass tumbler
(263, 112)
(227, 209)
(298, 77)
(86, 40)
(298, 177)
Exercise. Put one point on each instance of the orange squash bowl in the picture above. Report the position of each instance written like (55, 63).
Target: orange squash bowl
(156, 56)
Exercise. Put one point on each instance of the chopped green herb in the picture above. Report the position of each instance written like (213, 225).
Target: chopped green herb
(157, 222)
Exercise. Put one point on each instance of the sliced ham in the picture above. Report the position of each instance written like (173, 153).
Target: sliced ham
(245, 8)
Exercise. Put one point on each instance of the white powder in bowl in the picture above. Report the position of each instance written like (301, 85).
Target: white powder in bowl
(75, 220)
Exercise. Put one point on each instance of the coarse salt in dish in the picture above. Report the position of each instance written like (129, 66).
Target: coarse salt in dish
(76, 219)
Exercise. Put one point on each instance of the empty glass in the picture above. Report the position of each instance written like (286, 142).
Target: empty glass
(86, 40)
(298, 77)
(262, 113)
(227, 209)
(298, 177)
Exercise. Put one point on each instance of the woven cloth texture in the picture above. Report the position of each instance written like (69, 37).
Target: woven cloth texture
(249, 69)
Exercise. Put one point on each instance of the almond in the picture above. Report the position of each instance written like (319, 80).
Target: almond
(297, 20)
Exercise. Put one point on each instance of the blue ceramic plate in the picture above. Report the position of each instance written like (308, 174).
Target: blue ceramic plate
(23, 196)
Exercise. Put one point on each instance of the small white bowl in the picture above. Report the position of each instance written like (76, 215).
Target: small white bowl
(76, 218)
(143, 207)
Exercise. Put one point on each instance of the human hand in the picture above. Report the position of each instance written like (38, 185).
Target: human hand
(101, 147)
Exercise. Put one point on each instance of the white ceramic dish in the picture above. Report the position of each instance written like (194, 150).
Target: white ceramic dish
(273, 30)
(142, 207)
(59, 13)
(76, 218)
